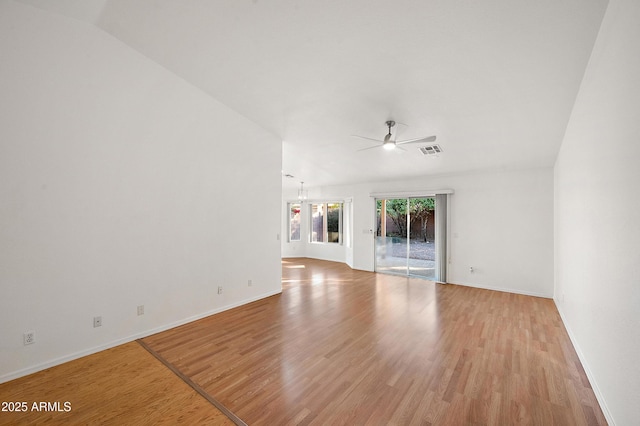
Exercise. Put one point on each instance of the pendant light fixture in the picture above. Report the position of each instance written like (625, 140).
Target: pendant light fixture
(302, 193)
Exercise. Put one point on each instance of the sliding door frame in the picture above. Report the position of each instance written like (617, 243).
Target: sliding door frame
(442, 259)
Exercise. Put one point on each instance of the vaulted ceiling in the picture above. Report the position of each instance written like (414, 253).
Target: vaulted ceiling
(495, 80)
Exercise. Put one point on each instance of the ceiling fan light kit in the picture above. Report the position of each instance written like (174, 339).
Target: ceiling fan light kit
(389, 143)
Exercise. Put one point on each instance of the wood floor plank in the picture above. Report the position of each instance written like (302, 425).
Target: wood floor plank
(340, 346)
(124, 385)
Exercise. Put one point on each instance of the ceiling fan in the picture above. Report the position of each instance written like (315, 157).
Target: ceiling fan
(389, 144)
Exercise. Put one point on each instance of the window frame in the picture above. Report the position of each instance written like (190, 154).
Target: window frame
(325, 231)
(290, 206)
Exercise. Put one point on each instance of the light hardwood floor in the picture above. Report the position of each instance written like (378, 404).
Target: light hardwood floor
(350, 347)
(124, 385)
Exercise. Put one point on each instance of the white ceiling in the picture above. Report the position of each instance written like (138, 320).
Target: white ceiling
(494, 80)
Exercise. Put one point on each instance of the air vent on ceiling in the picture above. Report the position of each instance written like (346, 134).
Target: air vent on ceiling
(431, 149)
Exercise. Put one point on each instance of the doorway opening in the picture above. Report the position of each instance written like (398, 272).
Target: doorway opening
(406, 238)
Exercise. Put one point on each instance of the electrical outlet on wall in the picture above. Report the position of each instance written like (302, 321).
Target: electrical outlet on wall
(140, 310)
(250, 283)
(219, 289)
(97, 322)
(29, 337)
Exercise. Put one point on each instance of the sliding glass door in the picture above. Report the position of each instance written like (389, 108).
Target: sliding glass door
(392, 248)
(405, 236)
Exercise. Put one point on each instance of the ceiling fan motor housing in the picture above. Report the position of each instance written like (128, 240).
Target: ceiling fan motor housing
(389, 124)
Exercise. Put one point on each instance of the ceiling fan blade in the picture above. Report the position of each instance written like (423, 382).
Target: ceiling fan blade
(371, 147)
(398, 131)
(370, 139)
(427, 139)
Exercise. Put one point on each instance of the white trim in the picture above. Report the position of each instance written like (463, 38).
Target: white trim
(449, 234)
(504, 290)
(411, 194)
(587, 370)
(324, 200)
(61, 360)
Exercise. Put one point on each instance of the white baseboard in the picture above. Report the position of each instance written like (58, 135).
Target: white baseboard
(70, 357)
(585, 366)
(506, 290)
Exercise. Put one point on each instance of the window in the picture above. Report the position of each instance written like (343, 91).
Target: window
(294, 221)
(326, 223)
(317, 223)
(334, 222)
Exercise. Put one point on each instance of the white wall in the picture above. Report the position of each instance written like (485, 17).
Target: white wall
(501, 224)
(120, 185)
(597, 181)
